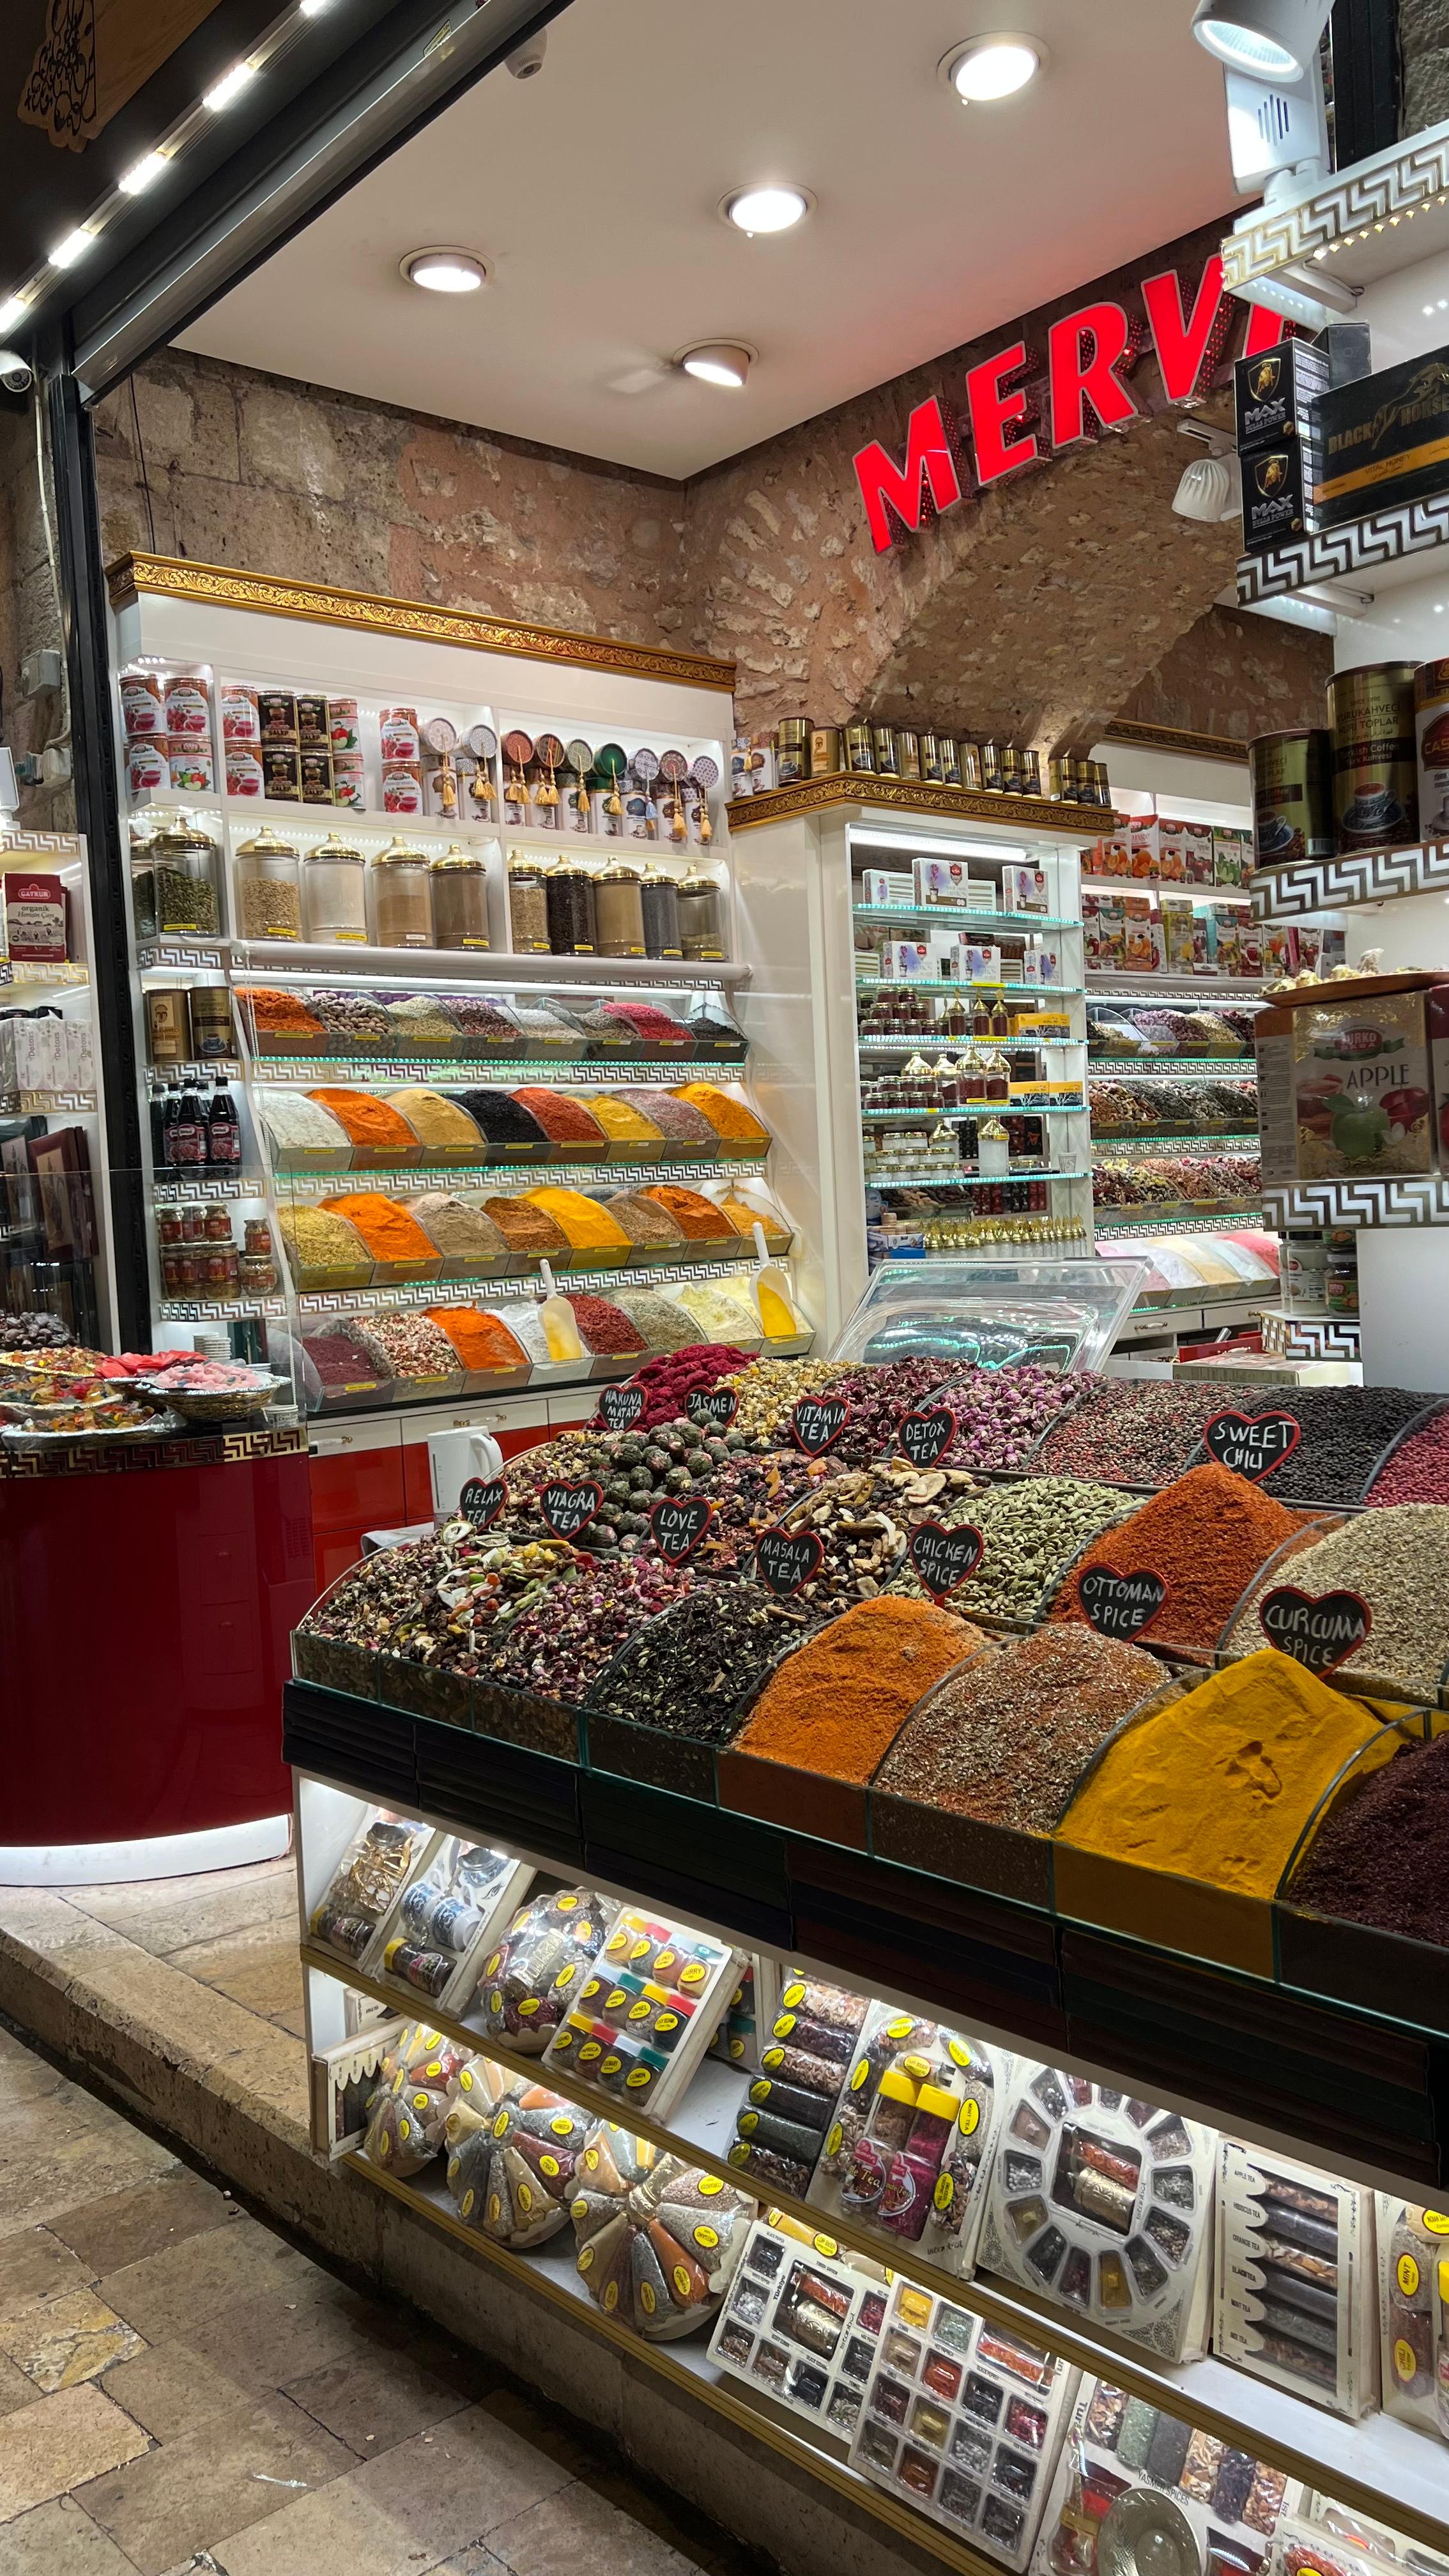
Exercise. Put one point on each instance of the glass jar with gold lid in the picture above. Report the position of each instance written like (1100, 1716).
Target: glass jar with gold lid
(334, 894)
(701, 917)
(460, 899)
(402, 897)
(268, 888)
(619, 911)
(174, 882)
(527, 906)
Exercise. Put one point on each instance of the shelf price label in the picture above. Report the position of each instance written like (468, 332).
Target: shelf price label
(785, 1560)
(817, 1423)
(620, 1407)
(679, 1522)
(924, 1438)
(482, 1500)
(942, 1558)
(1252, 1444)
(1319, 1632)
(570, 1508)
(711, 1408)
(1120, 1605)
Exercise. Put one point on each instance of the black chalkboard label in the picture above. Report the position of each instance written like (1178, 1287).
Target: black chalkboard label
(817, 1423)
(1252, 1444)
(711, 1408)
(679, 1523)
(1120, 1605)
(941, 1558)
(620, 1407)
(569, 1508)
(785, 1559)
(1317, 1632)
(481, 1502)
(924, 1438)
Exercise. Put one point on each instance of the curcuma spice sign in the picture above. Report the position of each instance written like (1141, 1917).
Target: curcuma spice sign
(1006, 421)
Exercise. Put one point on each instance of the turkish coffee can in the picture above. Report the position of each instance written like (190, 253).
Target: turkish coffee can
(142, 711)
(792, 750)
(883, 750)
(1057, 785)
(281, 772)
(1289, 775)
(313, 732)
(908, 752)
(1031, 773)
(993, 774)
(168, 1025)
(1101, 788)
(859, 749)
(826, 751)
(971, 770)
(211, 1030)
(277, 715)
(1375, 756)
(1011, 769)
(344, 730)
(950, 753)
(1431, 725)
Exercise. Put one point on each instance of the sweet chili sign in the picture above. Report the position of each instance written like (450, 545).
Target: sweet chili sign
(1008, 421)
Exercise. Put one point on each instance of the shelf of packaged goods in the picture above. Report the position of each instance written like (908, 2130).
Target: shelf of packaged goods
(1069, 1107)
(433, 1292)
(46, 1104)
(476, 1071)
(488, 1176)
(22, 981)
(1381, 2467)
(952, 916)
(1199, 1140)
(291, 961)
(1300, 886)
(1168, 1068)
(1219, 1219)
(171, 1186)
(1165, 885)
(1103, 982)
(963, 1180)
(917, 1039)
(866, 979)
(550, 2272)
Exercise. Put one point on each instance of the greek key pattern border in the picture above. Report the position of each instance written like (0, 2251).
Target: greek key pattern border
(222, 586)
(1327, 1337)
(1388, 188)
(62, 845)
(1354, 876)
(1414, 528)
(1398, 1199)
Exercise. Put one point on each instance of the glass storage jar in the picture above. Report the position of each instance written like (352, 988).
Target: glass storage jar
(660, 898)
(334, 894)
(701, 917)
(619, 911)
(402, 897)
(268, 889)
(527, 907)
(174, 883)
(460, 899)
(571, 927)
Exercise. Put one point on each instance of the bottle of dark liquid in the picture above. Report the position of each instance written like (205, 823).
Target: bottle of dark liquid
(170, 1123)
(190, 1131)
(223, 1131)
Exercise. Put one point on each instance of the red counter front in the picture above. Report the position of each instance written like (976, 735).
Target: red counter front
(144, 1625)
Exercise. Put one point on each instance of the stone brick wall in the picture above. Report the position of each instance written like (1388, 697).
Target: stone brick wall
(29, 618)
(1237, 675)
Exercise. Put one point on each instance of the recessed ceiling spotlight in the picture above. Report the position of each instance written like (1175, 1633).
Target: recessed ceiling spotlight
(445, 272)
(992, 67)
(766, 210)
(717, 362)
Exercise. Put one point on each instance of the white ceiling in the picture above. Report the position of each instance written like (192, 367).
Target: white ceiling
(593, 192)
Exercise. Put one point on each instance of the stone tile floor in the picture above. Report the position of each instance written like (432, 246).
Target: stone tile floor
(184, 2392)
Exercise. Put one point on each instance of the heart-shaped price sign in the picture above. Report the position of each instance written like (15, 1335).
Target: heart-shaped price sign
(679, 1523)
(943, 1558)
(1120, 1605)
(570, 1508)
(924, 1438)
(620, 1407)
(481, 1501)
(817, 1423)
(1319, 1631)
(1252, 1444)
(711, 1408)
(786, 1559)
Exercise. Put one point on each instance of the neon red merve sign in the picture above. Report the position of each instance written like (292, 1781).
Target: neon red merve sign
(1088, 353)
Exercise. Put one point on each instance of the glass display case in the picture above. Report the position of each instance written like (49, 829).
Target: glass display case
(992, 1314)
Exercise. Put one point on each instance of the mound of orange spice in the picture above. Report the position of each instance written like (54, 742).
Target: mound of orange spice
(1207, 1535)
(835, 1705)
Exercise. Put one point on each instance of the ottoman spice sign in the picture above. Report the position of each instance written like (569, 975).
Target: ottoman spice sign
(1002, 418)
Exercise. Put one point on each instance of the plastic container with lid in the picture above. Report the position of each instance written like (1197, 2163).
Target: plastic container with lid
(701, 917)
(619, 911)
(334, 894)
(527, 906)
(660, 898)
(460, 900)
(402, 897)
(173, 883)
(268, 888)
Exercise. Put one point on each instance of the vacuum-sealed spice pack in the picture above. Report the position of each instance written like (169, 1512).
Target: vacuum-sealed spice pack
(371, 1874)
(909, 2147)
(458, 1896)
(658, 2240)
(1296, 2297)
(1129, 2472)
(513, 2148)
(645, 2014)
(1413, 2270)
(802, 2324)
(781, 2126)
(529, 1980)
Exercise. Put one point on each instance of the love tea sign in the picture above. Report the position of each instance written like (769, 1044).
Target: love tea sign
(786, 1559)
(620, 1407)
(924, 1438)
(1318, 1633)
(481, 1502)
(711, 1408)
(570, 1508)
(1252, 1444)
(1120, 1605)
(943, 1558)
(679, 1523)
(817, 1423)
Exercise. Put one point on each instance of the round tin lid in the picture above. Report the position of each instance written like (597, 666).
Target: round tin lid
(580, 755)
(610, 761)
(646, 765)
(549, 750)
(1143, 2534)
(674, 767)
(440, 733)
(518, 749)
(483, 740)
(705, 771)
(265, 845)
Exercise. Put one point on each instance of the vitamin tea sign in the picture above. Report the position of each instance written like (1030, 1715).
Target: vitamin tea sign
(1088, 354)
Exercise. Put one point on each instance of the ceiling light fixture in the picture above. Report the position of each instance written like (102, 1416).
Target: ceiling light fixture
(74, 247)
(13, 310)
(143, 174)
(767, 209)
(445, 272)
(314, 8)
(229, 86)
(992, 67)
(1270, 39)
(717, 362)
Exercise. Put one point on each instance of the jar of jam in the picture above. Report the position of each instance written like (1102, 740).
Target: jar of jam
(257, 1274)
(216, 1274)
(193, 1222)
(168, 1226)
(217, 1226)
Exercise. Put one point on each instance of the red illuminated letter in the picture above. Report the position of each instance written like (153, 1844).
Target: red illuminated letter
(1265, 330)
(993, 410)
(1076, 381)
(887, 488)
(1183, 347)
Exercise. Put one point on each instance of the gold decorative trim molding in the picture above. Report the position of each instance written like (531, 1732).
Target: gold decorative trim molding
(222, 586)
(1199, 746)
(914, 796)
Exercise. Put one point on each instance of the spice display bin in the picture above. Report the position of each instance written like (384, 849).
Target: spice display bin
(802, 2325)
(1322, 1954)
(1357, 1683)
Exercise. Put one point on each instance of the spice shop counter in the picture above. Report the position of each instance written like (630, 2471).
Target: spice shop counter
(151, 1584)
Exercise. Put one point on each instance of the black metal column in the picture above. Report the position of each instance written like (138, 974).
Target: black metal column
(1364, 38)
(83, 615)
